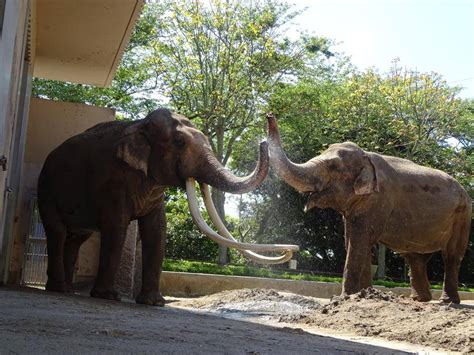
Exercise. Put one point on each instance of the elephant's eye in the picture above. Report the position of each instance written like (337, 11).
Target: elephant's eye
(179, 141)
(333, 167)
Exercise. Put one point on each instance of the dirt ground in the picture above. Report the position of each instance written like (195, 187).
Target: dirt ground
(369, 313)
(233, 322)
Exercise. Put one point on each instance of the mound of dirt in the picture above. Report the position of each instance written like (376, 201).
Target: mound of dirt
(372, 312)
(369, 312)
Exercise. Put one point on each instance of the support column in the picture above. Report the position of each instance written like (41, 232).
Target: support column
(381, 262)
(124, 281)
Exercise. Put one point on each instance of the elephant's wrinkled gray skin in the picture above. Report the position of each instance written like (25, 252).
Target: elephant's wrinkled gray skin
(412, 209)
(116, 172)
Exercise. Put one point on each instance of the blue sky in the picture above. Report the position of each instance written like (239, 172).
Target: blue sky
(427, 35)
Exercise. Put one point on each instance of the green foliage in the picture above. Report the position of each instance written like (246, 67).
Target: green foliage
(240, 270)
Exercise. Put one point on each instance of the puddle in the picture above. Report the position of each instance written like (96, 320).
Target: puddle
(265, 309)
(255, 303)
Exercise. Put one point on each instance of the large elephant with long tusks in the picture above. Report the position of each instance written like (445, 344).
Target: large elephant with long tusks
(118, 171)
(412, 209)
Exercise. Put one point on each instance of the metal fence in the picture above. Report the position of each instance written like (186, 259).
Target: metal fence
(35, 259)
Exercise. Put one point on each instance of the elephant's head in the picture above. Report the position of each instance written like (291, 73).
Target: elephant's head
(167, 147)
(334, 179)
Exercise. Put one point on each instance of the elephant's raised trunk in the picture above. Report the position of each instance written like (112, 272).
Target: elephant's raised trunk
(299, 176)
(222, 179)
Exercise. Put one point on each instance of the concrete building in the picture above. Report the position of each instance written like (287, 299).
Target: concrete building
(67, 40)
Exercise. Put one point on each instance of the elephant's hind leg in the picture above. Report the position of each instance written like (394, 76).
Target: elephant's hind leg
(452, 258)
(452, 264)
(418, 276)
(71, 250)
(55, 239)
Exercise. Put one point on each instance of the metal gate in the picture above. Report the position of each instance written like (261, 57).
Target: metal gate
(35, 259)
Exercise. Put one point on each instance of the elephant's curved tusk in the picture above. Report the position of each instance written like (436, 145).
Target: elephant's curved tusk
(202, 225)
(221, 228)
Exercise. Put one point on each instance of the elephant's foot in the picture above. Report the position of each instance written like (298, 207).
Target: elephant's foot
(421, 297)
(104, 293)
(151, 298)
(445, 298)
(349, 290)
(55, 286)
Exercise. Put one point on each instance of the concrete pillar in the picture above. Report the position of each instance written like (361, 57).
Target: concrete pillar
(138, 270)
(124, 281)
(381, 262)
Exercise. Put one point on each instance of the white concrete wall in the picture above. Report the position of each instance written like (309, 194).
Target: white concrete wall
(50, 124)
(12, 50)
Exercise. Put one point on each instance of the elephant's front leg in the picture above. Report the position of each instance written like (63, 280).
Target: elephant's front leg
(153, 236)
(357, 267)
(366, 276)
(113, 234)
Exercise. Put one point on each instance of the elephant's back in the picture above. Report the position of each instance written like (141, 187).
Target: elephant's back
(73, 170)
(104, 133)
(95, 142)
(415, 178)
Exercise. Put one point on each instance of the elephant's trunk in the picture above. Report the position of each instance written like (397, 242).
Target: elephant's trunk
(222, 179)
(299, 176)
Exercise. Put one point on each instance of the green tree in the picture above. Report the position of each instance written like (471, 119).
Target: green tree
(218, 62)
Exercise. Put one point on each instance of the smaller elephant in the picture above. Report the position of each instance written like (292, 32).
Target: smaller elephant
(411, 209)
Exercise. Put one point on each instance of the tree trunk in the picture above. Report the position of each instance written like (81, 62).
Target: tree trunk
(381, 262)
(218, 197)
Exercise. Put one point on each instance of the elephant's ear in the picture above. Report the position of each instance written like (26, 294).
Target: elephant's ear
(134, 148)
(367, 181)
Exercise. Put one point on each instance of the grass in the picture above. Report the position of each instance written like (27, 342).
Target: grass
(246, 270)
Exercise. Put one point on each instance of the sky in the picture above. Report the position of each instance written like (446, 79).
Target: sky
(426, 35)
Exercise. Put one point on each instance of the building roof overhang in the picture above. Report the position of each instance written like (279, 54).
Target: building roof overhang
(81, 41)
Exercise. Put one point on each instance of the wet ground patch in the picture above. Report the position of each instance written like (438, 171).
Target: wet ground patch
(247, 303)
